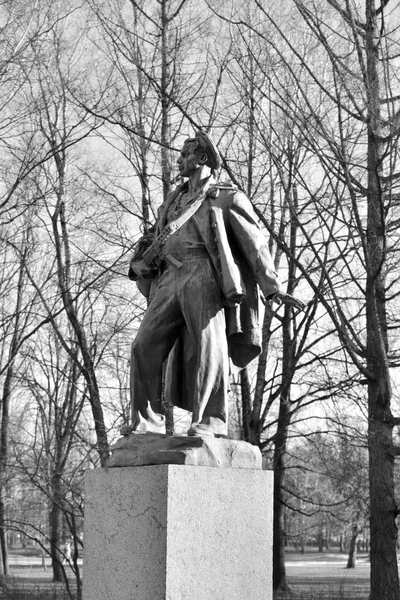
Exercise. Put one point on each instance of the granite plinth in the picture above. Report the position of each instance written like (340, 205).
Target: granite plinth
(138, 449)
(178, 532)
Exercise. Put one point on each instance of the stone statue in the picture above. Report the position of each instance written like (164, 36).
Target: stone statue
(200, 273)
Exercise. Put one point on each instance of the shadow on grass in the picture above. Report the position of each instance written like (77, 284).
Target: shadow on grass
(13, 589)
(326, 591)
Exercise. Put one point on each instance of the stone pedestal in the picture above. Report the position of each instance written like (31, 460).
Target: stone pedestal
(178, 532)
(139, 449)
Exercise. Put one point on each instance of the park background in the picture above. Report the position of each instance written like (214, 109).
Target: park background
(303, 100)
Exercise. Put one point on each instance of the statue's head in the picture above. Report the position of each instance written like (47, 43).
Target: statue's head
(202, 150)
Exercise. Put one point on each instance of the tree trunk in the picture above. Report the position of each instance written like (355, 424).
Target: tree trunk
(280, 442)
(246, 404)
(5, 415)
(56, 522)
(279, 568)
(328, 539)
(167, 406)
(143, 171)
(352, 559)
(302, 545)
(320, 541)
(288, 368)
(63, 254)
(383, 508)
(3, 470)
(43, 555)
(257, 420)
(166, 167)
(383, 549)
(75, 556)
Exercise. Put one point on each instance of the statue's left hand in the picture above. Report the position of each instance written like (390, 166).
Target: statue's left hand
(282, 298)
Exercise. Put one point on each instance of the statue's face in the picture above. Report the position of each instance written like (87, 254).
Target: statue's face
(188, 161)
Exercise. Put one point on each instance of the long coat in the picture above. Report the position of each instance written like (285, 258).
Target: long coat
(241, 259)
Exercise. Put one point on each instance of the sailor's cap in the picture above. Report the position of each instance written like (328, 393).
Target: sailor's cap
(204, 142)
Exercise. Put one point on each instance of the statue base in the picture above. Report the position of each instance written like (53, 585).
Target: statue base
(138, 449)
(177, 532)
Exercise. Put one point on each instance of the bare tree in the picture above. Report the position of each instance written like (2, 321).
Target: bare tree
(353, 133)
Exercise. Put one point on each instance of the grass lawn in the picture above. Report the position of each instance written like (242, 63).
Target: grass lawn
(29, 581)
(311, 576)
(314, 576)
